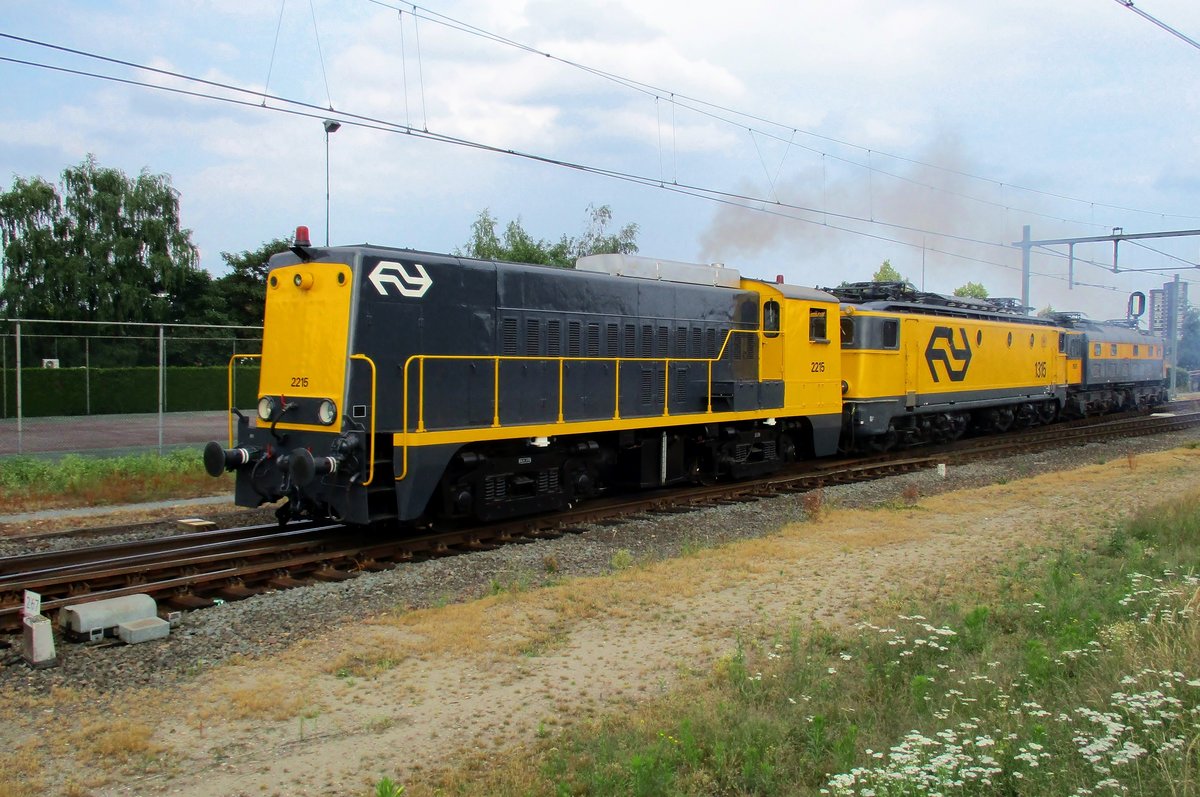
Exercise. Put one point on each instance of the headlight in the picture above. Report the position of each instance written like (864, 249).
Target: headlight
(266, 407)
(326, 412)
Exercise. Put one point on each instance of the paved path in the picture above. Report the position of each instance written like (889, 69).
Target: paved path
(111, 434)
(82, 513)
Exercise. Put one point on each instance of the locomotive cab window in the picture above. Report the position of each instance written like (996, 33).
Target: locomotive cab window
(1062, 342)
(816, 325)
(847, 332)
(771, 319)
(891, 334)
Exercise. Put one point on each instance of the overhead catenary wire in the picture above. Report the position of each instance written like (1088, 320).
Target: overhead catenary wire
(354, 118)
(733, 199)
(1173, 31)
(320, 54)
(274, 48)
(744, 201)
(699, 105)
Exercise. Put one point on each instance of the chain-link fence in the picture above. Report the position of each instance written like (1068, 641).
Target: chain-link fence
(100, 386)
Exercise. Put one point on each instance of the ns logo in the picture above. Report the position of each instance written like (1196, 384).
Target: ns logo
(942, 349)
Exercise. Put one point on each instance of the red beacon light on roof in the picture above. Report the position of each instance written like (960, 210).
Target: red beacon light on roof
(302, 236)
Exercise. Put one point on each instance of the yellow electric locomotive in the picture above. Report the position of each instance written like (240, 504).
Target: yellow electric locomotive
(921, 367)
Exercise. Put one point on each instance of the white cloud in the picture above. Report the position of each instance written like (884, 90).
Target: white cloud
(1077, 98)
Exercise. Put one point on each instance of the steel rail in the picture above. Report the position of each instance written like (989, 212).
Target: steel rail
(216, 560)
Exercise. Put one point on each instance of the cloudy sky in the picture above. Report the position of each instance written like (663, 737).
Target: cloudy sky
(806, 139)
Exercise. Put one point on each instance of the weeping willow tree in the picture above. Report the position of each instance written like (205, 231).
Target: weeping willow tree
(100, 246)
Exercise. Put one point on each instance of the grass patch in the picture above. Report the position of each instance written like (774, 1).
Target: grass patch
(115, 738)
(1079, 674)
(258, 699)
(30, 483)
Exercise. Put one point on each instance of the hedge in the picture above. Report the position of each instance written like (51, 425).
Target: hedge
(64, 391)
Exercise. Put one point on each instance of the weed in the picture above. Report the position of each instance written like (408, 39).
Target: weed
(380, 724)
(622, 559)
(386, 787)
(195, 668)
(520, 582)
(309, 714)
(814, 503)
(910, 494)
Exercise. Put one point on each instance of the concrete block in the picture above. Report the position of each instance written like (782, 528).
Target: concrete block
(37, 643)
(143, 630)
(91, 621)
(196, 524)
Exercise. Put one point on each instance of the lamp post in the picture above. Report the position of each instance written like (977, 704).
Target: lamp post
(330, 127)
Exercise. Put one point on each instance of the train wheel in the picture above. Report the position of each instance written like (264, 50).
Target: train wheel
(883, 442)
(700, 470)
(1047, 411)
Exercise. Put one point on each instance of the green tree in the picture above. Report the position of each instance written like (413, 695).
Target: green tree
(107, 248)
(30, 230)
(244, 288)
(887, 273)
(1046, 312)
(973, 290)
(519, 246)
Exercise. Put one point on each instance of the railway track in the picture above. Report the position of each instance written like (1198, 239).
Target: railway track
(197, 569)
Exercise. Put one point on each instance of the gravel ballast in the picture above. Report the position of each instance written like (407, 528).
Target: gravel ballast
(271, 622)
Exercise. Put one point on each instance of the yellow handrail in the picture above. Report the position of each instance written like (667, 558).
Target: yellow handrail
(497, 359)
(229, 378)
(374, 412)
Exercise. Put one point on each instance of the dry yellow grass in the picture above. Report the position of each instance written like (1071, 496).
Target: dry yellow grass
(114, 738)
(256, 697)
(22, 773)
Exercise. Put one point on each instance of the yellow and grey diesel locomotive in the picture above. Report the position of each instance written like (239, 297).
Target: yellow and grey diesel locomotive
(398, 385)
